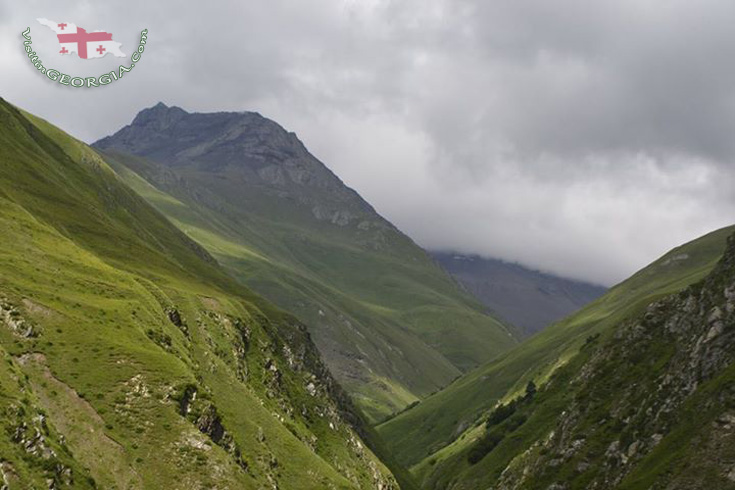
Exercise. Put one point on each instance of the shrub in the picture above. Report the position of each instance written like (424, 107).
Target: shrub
(484, 446)
(501, 413)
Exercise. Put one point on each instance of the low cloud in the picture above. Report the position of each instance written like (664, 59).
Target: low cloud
(581, 138)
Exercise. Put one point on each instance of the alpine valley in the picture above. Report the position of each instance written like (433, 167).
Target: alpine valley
(392, 325)
(198, 302)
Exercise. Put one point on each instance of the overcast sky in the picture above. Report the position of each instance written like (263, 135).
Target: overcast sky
(581, 137)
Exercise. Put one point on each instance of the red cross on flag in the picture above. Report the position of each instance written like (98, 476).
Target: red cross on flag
(87, 45)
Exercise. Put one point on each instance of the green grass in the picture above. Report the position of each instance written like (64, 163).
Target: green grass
(452, 466)
(94, 268)
(440, 419)
(392, 326)
(608, 404)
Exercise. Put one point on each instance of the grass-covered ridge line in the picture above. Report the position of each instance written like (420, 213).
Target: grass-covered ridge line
(111, 319)
(650, 406)
(437, 422)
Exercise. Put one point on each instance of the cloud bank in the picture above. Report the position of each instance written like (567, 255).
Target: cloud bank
(582, 138)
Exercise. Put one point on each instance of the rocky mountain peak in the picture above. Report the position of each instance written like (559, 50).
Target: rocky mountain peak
(246, 147)
(176, 137)
(159, 117)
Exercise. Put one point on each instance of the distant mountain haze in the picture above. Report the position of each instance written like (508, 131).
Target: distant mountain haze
(529, 299)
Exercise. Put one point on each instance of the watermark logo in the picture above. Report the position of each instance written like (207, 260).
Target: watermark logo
(86, 45)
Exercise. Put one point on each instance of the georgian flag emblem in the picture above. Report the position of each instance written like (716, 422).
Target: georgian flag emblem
(87, 45)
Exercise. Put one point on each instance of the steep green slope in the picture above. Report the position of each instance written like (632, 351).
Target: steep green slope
(441, 419)
(650, 406)
(131, 360)
(392, 325)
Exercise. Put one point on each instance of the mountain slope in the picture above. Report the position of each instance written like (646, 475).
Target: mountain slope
(528, 299)
(442, 423)
(392, 325)
(652, 405)
(131, 360)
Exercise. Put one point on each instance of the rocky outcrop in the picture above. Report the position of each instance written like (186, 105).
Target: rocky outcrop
(205, 417)
(297, 387)
(174, 316)
(644, 386)
(32, 435)
(11, 316)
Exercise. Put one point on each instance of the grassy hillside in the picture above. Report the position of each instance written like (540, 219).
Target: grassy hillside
(131, 360)
(650, 406)
(438, 421)
(392, 325)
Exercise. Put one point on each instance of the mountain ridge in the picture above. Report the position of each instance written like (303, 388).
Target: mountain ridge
(392, 325)
(131, 359)
(444, 422)
(648, 404)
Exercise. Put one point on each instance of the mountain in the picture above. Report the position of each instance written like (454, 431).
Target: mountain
(392, 325)
(528, 299)
(445, 422)
(130, 359)
(648, 404)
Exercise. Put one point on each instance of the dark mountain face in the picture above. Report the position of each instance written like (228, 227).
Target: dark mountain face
(528, 299)
(391, 324)
(246, 148)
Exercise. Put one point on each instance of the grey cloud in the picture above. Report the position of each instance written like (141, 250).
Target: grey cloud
(585, 138)
(575, 77)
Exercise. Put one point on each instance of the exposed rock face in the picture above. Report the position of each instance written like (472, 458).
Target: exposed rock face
(174, 316)
(34, 437)
(11, 316)
(287, 355)
(255, 152)
(666, 377)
